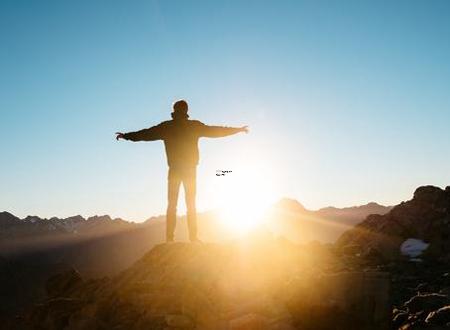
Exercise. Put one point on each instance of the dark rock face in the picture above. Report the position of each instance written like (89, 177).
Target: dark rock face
(426, 217)
(251, 285)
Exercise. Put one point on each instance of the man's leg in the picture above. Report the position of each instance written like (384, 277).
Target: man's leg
(190, 187)
(173, 188)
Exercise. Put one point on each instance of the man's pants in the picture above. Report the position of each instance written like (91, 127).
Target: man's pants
(187, 176)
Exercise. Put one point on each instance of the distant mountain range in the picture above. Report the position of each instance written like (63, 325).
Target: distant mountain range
(290, 219)
(351, 214)
(91, 244)
(30, 226)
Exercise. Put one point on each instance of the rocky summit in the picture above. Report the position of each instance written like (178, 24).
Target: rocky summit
(257, 284)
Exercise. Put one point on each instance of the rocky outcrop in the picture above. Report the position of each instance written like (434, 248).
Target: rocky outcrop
(425, 217)
(243, 285)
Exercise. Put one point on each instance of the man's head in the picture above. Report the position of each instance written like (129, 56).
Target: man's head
(180, 109)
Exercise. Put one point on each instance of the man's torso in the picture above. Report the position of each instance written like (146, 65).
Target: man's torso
(181, 142)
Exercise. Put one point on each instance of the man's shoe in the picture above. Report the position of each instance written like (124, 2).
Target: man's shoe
(169, 240)
(196, 240)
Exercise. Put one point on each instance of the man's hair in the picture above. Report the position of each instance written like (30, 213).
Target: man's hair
(180, 106)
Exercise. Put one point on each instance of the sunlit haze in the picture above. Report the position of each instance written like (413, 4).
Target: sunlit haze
(345, 105)
(244, 208)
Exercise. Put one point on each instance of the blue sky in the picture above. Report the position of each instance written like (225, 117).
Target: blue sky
(348, 101)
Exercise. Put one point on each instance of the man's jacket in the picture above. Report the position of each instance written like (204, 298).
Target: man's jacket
(180, 138)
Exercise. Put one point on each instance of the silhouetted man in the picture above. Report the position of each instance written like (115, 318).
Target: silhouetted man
(180, 137)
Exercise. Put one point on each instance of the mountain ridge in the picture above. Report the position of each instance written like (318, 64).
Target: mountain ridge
(88, 243)
(285, 202)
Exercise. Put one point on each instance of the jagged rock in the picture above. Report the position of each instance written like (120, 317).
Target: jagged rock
(427, 302)
(441, 317)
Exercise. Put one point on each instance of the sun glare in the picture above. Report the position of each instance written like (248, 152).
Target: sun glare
(245, 195)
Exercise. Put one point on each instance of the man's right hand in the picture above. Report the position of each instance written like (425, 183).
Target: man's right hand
(119, 136)
(244, 129)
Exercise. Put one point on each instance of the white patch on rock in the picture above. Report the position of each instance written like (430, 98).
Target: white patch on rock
(413, 247)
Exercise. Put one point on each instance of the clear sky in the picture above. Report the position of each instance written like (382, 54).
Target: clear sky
(348, 101)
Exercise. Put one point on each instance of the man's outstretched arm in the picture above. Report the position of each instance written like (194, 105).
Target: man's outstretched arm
(147, 134)
(221, 131)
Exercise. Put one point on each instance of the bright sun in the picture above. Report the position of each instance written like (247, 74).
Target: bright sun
(244, 196)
